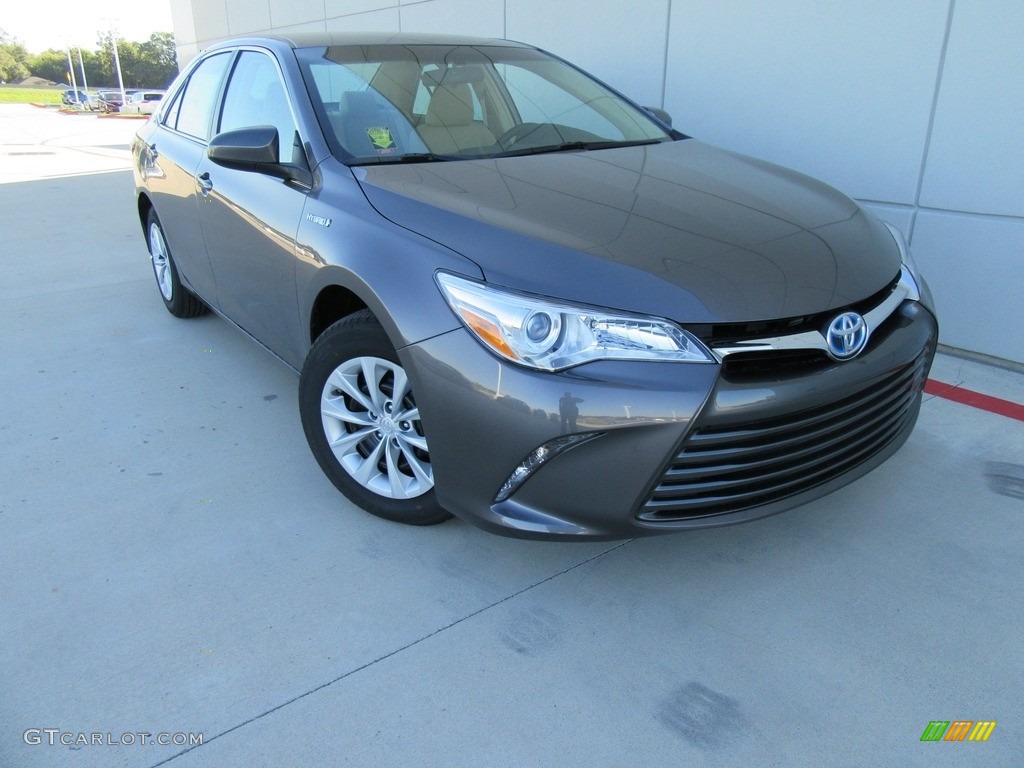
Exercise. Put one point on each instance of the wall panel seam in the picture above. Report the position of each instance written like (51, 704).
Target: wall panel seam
(931, 115)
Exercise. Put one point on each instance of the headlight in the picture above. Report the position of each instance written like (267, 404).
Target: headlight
(542, 334)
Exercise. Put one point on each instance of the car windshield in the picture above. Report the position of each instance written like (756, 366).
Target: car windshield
(419, 103)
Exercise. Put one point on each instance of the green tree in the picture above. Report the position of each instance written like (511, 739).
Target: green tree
(50, 65)
(105, 61)
(151, 64)
(13, 60)
(162, 55)
(94, 73)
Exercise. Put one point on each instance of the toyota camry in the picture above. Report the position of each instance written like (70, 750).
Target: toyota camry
(513, 295)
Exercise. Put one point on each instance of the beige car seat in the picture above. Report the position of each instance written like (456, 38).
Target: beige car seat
(449, 125)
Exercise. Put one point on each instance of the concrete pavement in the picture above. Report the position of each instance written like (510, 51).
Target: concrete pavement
(173, 563)
(38, 143)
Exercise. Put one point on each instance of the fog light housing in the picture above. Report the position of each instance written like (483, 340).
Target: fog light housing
(540, 456)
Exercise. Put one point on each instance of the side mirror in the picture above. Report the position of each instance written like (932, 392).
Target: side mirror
(255, 149)
(245, 148)
(661, 114)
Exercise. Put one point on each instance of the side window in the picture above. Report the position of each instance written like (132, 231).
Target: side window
(255, 96)
(170, 118)
(195, 106)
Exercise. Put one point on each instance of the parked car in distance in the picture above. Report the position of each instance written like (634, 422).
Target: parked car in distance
(513, 295)
(142, 102)
(79, 98)
(111, 101)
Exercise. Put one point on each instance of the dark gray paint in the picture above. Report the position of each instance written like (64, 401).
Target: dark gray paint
(170, 161)
(249, 222)
(484, 417)
(680, 230)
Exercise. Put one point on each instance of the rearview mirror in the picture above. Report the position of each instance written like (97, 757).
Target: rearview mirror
(661, 114)
(462, 74)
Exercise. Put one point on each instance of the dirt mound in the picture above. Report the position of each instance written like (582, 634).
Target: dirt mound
(37, 81)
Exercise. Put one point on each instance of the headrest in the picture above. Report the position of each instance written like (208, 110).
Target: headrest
(450, 105)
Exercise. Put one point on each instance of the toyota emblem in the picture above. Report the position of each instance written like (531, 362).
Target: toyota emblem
(846, 336)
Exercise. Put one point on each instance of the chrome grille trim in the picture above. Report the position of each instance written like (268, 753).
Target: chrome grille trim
(722, 469)
(905, 289)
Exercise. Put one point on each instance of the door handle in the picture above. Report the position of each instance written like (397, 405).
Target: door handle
(205, 182)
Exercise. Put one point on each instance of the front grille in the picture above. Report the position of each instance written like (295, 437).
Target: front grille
(723, 334)
(724, 469)
(777, 363)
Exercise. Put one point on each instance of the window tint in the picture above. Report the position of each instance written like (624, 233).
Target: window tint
(543, 100)
(192, 114)
(332, 80)
(256, 96)
(377, 103)
(362, 119)
(171, 116)
(427, 84)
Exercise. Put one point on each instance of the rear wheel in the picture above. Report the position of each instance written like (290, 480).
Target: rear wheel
(179, 301)
(363, 425)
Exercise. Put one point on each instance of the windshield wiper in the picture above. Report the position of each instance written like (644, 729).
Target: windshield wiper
(410, 157)
(574, 146)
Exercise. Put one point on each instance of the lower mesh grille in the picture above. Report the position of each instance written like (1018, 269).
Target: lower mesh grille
(728, 469)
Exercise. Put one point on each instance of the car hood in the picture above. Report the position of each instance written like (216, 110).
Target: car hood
(680, 230)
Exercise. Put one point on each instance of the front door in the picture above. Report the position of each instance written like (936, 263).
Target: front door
(250, 219)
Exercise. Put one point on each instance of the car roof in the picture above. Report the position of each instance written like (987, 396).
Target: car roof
(317, 40)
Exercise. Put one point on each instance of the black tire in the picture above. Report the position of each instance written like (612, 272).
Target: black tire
(178, 299)
(380, 459)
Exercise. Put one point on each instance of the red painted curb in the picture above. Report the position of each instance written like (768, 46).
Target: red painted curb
(1007, 408)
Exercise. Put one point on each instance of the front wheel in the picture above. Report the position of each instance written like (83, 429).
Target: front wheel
(363, 425)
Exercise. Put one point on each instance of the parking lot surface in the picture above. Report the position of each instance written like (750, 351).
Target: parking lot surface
(174, 566)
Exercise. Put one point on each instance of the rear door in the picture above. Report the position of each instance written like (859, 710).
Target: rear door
(174, 151)
(250, 219)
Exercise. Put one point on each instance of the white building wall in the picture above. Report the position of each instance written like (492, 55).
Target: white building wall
(912, 106)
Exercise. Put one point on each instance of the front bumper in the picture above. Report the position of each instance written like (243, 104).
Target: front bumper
(638, 476)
